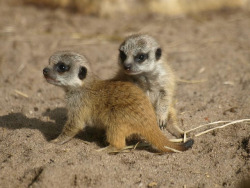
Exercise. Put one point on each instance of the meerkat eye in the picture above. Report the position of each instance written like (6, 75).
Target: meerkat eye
(122, 55)
(141, 57)
(62, 67)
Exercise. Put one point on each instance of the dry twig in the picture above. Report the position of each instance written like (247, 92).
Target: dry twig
(21, 93)
(222, 126)
(191, 81)
(171, 149)
(176, 140)
(212, 123)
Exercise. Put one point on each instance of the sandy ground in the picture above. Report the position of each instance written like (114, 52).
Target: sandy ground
(212, 49)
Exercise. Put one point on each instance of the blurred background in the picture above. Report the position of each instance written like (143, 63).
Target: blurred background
(166, 7)
(50, 25)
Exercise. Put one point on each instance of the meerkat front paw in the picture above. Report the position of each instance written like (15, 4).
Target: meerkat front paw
(162, 121)
(61, 139)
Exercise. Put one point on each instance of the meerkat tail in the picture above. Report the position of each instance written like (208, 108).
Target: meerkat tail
(160, 141)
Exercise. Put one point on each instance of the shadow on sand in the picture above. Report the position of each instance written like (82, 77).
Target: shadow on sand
(50, 130)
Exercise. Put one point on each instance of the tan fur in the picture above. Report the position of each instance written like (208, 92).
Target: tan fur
(153, 76)
(120, 108)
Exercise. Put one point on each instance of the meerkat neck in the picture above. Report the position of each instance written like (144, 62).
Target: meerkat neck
(78, 93)
(152, 75)
(77, 97)
(85, 84)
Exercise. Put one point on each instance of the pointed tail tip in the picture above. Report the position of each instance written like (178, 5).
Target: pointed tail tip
(188, 144)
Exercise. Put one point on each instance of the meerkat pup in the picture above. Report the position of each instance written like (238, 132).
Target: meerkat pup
(141, 63)
(120, 108)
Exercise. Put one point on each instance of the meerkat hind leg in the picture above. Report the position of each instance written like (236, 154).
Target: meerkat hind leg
(173, 127)
(116, 137)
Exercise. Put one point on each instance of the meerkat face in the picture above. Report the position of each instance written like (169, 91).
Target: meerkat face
(66, 69)
(139, 54)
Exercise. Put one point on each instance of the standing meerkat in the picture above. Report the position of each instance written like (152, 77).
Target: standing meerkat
(120, 108)
(141, 63)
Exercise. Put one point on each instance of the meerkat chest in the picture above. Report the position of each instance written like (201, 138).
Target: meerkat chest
(153, 95)
(151, 88)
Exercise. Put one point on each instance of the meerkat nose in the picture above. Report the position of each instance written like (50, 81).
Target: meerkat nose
(45, 71)
(127, 66)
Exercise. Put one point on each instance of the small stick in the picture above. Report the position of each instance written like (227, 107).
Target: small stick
(222, 126)
(21, 93)
(191, 81)
(185, 137)
(216, 122)
(136, 145)
(21, 67)
(176, 140)
(171, 149)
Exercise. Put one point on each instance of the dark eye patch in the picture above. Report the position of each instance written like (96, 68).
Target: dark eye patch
(139, 58)
(82, 73)
(158, 54)
(122, 55)
(61, 67)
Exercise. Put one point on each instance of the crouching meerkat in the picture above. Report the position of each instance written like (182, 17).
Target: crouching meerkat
(141, 62)
(119, 107)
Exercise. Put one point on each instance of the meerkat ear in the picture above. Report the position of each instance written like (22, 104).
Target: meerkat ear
(82, 73)
(158, 54)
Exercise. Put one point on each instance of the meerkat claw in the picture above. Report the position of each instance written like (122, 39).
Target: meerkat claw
(60, 140)
(162, 124)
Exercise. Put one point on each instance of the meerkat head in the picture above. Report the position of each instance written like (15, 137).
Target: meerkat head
(139, 54)
(66, 69)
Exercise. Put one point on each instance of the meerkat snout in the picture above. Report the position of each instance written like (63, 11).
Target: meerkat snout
(127, 66)
(45, 71)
